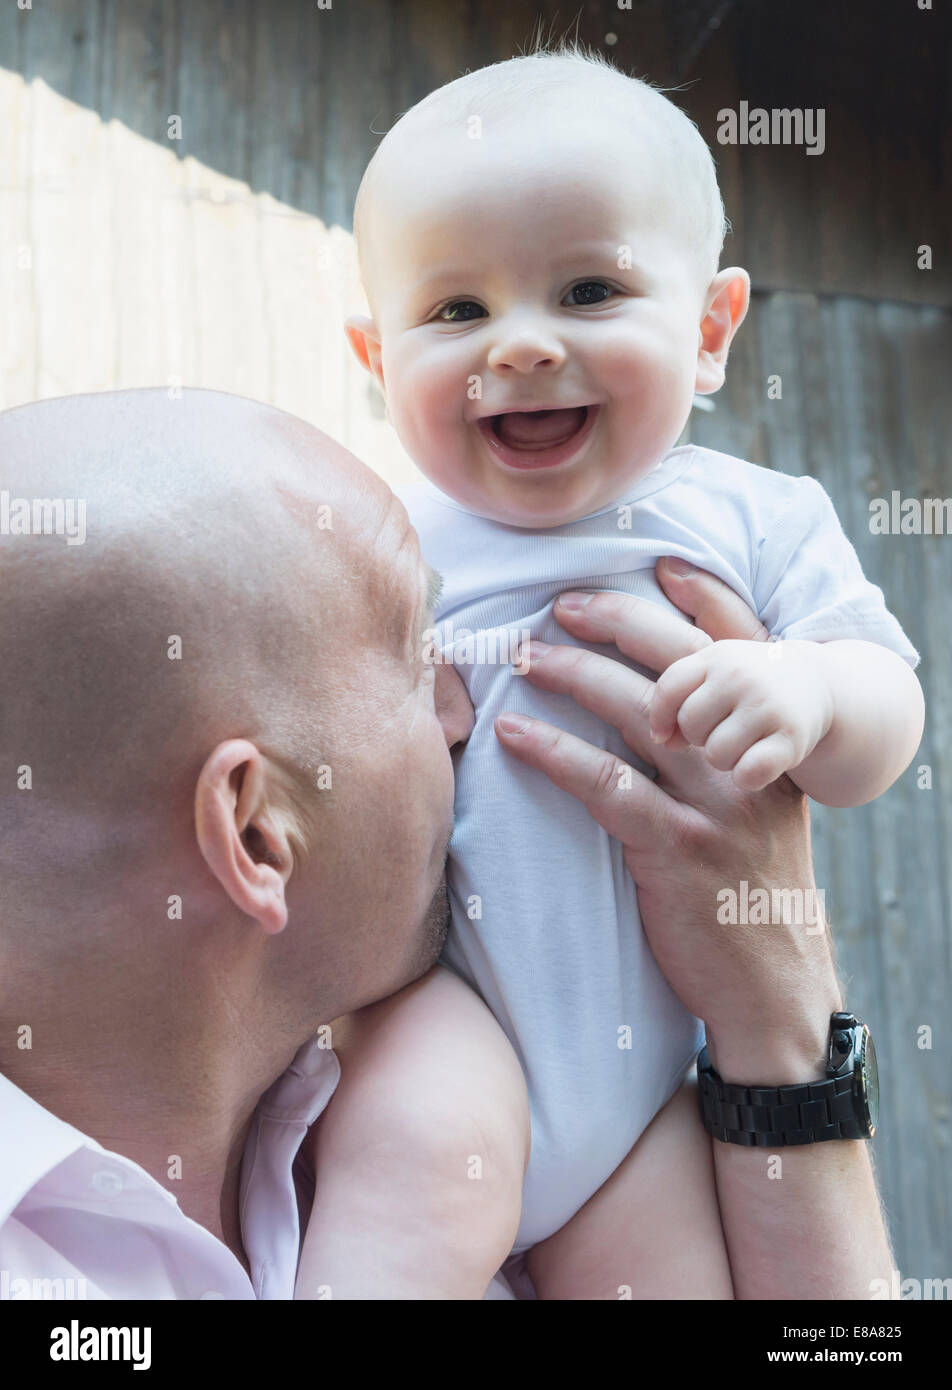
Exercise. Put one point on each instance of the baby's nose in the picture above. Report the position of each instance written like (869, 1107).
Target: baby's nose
(526, 351)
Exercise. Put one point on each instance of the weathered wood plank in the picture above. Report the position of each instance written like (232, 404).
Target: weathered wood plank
(288, 138)
(908, 922)
(215, 87)
(922, 571)
(865, 410)
(143, 75)
(12, 26)
(279, 95)
(63, 44)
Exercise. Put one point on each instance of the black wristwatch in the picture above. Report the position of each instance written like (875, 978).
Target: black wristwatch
(843, 1106)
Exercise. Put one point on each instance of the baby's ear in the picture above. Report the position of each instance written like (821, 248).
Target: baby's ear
(364, 340)
(728, 301)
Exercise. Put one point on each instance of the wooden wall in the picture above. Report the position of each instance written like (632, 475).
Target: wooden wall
(225, 260)
(285, 96)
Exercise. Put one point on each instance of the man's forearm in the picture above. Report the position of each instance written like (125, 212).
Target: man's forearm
(816, 1231)
(801, 1222)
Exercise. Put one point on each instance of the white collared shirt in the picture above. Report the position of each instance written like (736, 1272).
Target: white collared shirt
(79, 1221)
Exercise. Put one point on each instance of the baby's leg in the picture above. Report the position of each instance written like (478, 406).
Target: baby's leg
(420, 1155)
(653, 1230)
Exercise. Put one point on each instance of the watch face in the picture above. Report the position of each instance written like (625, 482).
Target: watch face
(869, 1075)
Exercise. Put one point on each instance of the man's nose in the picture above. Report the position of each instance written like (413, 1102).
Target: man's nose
(528, 347)
(454, 709)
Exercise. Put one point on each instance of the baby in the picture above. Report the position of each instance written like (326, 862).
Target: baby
(539, 243)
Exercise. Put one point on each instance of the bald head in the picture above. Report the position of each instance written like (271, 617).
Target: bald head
(225, 789)
(215, 559)
(557, 90)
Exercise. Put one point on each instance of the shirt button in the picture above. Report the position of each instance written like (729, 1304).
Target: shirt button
(107, 1182)
(211, 1293)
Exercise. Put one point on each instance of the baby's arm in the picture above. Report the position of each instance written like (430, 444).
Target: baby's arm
(653, 1230)
(419, 1157)
(842, 719)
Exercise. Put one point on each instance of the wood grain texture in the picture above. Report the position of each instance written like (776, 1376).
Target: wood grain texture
(287, 97)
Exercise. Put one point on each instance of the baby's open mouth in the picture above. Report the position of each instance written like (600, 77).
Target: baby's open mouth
(538, 439)
(534, 430)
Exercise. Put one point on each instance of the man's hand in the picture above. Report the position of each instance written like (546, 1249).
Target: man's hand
(756, 709)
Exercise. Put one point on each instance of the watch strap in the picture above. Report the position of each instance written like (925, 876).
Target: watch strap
(775, 1116)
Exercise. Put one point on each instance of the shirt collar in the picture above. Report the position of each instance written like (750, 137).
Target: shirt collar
(34, 1141)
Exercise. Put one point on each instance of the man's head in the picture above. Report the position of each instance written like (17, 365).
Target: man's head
(539, 243)
(232, 765)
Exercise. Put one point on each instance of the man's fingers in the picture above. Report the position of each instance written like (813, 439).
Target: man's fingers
(617, 795)
(713, 605)
(643, 630)
(616, 693)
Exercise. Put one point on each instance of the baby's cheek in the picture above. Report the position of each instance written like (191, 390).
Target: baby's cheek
(431, 397)
(658, 362)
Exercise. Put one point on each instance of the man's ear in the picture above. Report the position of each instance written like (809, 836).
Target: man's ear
(728, 299)
(364, 339)
(242, 832)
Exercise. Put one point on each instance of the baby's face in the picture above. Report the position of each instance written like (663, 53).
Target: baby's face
(538, 306)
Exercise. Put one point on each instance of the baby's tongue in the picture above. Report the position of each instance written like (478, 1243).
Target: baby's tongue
(539, 428)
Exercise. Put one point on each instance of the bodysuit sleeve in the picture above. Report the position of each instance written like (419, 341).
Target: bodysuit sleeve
(809, 583)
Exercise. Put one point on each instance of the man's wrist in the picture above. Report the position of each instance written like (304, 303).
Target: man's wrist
(782, 1051)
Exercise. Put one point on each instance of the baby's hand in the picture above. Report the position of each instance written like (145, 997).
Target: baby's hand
(757, 709)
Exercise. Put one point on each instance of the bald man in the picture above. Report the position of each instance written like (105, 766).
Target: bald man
(220, 722)
(224, 815)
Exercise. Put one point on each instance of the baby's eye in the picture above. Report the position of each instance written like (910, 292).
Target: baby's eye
(458, 311)
(588, 292)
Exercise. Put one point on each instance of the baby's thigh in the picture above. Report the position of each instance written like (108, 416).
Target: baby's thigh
(429, 1081)
(420, 1155)
(653, 1230)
